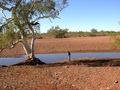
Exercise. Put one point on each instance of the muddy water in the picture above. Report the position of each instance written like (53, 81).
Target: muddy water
(51, 58)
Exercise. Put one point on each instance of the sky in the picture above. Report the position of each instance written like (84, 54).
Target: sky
(84, 15)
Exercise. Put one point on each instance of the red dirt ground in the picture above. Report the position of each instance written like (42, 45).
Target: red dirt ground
(83, 75)
(79, 74)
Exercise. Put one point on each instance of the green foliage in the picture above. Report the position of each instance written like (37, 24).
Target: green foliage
(24, 13)
(116, 38)
(1, 20)
(29, 36)
(38, 36)
(102, 33)
(92, 34)
(94, 31)
(72, 34)
(9, 36)
(43, 8)
(57, 32)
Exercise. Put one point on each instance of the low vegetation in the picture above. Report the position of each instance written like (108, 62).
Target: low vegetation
(57, 32)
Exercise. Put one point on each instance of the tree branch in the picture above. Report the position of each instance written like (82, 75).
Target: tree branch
(33, 3)
(38, 1)
(5, 8)
(17, 3)
(5, 16)
(43, 17)
(5, 24)
(10, 9)
(39, 18)
(13, 45)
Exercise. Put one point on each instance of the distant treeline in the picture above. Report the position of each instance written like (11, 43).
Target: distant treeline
(57, 32)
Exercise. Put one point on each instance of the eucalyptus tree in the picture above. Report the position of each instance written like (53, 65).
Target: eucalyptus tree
(24, 16)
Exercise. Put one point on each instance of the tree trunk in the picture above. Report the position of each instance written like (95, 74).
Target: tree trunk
(29, 52)
(31, 60)
(32, 45)
(27, 48)
(32, 42)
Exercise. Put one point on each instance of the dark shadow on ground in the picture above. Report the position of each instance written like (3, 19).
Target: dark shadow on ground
(31, 62)
(88, 62)
(98, 63)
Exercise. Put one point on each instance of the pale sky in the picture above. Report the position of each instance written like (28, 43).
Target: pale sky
(83, 15)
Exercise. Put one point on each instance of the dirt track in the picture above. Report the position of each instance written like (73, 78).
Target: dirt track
(61, 45)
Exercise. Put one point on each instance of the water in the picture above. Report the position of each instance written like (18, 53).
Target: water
(51, 58)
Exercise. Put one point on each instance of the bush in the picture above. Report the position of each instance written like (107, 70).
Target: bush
(94, 30)
(92, 34)
(29, 36)
(57, 32)
(38, 37)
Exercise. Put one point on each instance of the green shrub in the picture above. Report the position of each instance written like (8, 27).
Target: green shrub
(38, 37)
(57, 32)
(94, 30)
(92, 34)
(29, 36)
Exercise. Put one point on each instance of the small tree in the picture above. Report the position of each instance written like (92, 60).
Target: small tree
(24, 17)
(94, 31)
(57, 32)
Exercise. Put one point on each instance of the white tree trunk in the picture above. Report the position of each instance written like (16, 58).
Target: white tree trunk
(27, 48)
(29, 51)
(32, 45)
(32, 42)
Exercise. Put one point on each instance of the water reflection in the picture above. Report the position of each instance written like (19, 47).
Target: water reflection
(51, 58)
